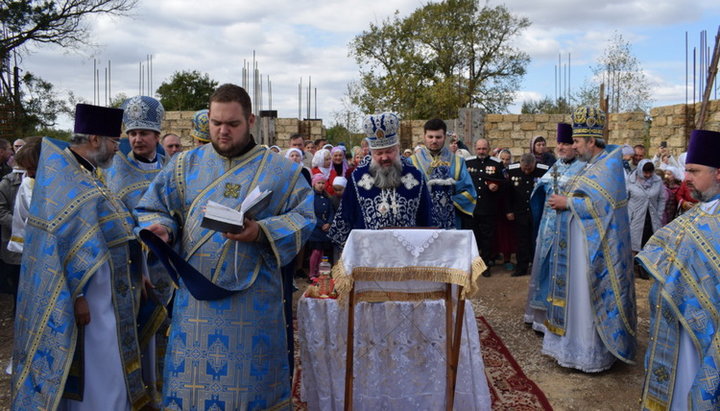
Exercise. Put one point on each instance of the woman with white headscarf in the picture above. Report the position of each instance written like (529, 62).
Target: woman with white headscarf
(338, 168)
(296, 156)
(646, 203)
(321, 163)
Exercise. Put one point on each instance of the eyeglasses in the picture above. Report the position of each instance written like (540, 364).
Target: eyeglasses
(115, 140)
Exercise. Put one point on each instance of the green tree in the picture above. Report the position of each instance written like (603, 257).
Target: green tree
(57, 22)
(443, 56)
(546, 105)
(626, 85)
(40, 106)
(186, 90)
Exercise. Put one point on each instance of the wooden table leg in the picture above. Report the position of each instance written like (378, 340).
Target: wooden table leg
(349, 352)
(455, 357)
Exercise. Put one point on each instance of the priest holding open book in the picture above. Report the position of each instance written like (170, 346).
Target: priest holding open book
(227, 347)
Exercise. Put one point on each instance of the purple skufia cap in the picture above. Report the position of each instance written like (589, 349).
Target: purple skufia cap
(96, 120)
(704, 148)
(564, 133)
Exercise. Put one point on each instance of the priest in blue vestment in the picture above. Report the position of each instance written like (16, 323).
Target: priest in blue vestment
(134, 166)
(551, 252)
(228, 350)
(76, 344)
(683, 354)
(385, 192)
(591, 316)
(451, 188)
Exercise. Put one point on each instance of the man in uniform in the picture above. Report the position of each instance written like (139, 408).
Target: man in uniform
(487, 175)
(451, 187)
(551, 250)
(523, 176)
(384, 193)
(682, 359)
(591, 318)
(75, 334)
(227, 344)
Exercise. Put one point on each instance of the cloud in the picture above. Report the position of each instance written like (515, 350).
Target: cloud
(304, 38)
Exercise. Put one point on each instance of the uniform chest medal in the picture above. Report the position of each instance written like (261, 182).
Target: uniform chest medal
(490, 169)
(516, 181)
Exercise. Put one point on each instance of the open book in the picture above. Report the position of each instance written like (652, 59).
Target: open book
(228, 220)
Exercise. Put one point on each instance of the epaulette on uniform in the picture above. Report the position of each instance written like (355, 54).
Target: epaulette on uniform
(471, 158)
(514, 166)
(542, 166)
(495, 159)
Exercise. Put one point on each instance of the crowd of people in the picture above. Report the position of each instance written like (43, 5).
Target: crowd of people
(127, 299)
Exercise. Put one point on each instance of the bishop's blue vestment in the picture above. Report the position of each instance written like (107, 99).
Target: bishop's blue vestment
(365, 206)
(597, 200)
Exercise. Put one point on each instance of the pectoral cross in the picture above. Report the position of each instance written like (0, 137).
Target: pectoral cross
(555, 176)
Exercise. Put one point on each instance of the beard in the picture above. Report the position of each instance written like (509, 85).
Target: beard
(103, 158)
(387, 177)
(706, 195)
(235, 148)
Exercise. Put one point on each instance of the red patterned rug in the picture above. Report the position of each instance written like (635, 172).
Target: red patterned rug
(510, 388)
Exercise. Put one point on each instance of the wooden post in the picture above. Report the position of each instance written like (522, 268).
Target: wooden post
(455, 356)
(449, 347)
(349, 352)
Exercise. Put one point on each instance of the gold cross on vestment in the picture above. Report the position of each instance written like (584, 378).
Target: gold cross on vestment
(231, 190)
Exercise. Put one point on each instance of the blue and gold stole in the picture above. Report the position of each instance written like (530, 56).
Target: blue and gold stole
(684, 259)
(178, 196)
(76, 226)
(598, 199)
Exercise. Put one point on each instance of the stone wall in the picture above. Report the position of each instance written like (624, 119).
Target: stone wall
(514, 131)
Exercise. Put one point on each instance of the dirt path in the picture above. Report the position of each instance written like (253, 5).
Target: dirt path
(501, 302)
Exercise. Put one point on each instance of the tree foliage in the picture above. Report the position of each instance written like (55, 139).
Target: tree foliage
(546, 106)
(626, 85)
(186, 90)
(443, 56)
(40, 107)
(57, 22)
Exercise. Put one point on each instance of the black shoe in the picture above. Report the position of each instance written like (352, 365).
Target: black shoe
(519, 273)
(486, 273)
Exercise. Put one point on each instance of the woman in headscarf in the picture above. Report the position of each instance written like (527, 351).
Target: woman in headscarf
(646, 203)
(538, 148)
(338, 168)
(295, 155)
(321, 163)
(673, 177)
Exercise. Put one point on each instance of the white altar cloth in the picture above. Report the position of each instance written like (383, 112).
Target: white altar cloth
(399, 363)
(400, 346)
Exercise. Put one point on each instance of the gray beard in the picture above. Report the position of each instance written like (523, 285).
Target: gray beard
(585, 157)
(386, 177)
(707, 195)
(102, 158)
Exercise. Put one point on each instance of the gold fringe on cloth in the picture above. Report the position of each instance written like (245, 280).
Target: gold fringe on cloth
(382, 296)
(344, 282)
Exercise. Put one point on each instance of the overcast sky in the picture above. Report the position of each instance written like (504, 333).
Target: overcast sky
(296, 39)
